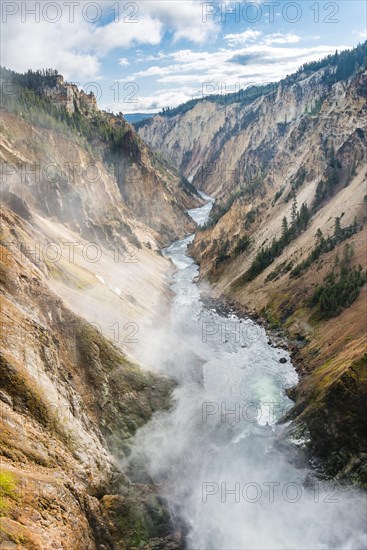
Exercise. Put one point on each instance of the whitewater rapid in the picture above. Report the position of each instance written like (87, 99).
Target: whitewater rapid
(217, 454)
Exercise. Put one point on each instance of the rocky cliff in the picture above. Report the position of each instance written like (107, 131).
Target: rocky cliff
(86, 204)
(70, 401)
(86, 167)
(287, 237)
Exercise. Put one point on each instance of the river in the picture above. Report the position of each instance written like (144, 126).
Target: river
(218, 454)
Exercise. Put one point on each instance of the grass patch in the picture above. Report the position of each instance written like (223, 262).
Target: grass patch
(8, 489)
(65, 276)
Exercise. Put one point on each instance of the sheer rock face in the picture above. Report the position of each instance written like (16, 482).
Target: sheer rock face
(225, 146)
(56, 175)
(70, 403)
(79, 275)
(64, 94)
(94, 174)
(253, 158)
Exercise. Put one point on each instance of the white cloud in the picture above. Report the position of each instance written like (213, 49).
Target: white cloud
(185, 18)
(269, 61)
(251, 36)
(38, 45)
(121, 34)
(243, 37)
(278, 38)
(76, 46)
(155, 102)
(188, 71)
(78, 49)
(75, 49)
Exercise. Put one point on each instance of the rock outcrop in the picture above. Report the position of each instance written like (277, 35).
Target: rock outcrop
(63, 94)
(85, 167)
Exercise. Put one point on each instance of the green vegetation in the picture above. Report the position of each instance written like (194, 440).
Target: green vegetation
(8, 489)
(255, 184)
(341, 289)
(242, 244)
(250, 217)
(326, 187)
(22, 95)
(299, 178)
(24, 392)
(277, 195)
(340, 65)
(188, 187)
(222, 250)
(34, 80)
(281, 269)
(332, 403)
(316, 108)
(226, 249)
(221, 208)
(324, 245)
(299, 222)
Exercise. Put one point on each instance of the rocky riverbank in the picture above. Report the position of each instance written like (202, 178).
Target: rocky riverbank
(278, 338)
(330, 419)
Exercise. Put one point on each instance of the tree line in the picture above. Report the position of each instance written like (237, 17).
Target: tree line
(340, 288)
(25, 99)
(325, 244)
(266, 256)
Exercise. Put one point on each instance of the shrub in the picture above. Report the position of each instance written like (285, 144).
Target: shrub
(8, 486)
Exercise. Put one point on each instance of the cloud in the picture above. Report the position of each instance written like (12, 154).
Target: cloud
(248, 58)
(38, 45)
(156, 101)
(184, 18)
(243, 37)
(74, 48)
(146, 32)
(78, 41)
(188, 71)
(251, 36)
(269, 62)
(279, 38)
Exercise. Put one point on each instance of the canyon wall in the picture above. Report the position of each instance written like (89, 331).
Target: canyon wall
(85, 207)
(287, 236)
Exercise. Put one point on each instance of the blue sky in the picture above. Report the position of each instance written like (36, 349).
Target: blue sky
(142, 56)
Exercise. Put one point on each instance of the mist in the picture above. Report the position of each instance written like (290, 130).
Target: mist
(219, 456)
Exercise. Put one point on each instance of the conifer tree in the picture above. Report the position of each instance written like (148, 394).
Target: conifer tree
(294, 213)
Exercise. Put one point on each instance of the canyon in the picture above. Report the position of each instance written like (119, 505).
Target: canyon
(101, 226)
(263, 153)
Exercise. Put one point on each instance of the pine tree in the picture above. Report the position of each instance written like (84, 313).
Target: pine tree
(332, 161)
(320, 239)
(304, 216)
(320, 192)
(285, 228)
(337, 229)
(294, 213)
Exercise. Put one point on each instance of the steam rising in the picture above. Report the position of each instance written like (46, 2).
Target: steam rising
(217, 454)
